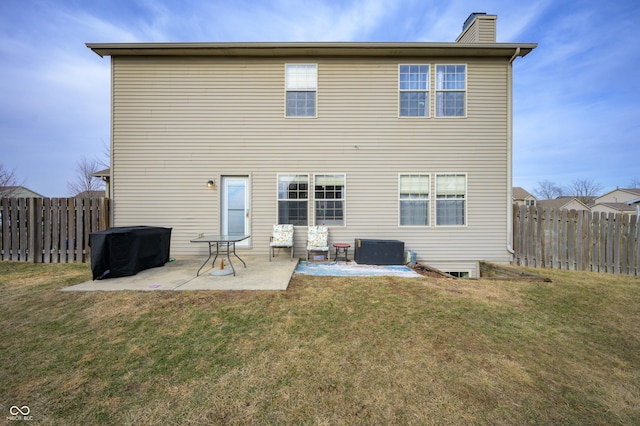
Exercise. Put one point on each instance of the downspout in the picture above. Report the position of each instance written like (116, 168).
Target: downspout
(510, 154)
(112, 209)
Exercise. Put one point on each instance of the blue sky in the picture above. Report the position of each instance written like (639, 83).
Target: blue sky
(576, 97)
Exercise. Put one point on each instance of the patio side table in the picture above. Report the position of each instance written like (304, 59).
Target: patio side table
(341, 249)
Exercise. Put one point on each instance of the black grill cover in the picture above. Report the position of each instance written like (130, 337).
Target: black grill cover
(124, 251)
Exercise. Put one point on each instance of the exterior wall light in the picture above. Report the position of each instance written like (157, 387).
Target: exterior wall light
(211, 183)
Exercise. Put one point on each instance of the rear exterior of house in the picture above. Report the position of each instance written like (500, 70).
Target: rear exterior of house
(401, 141)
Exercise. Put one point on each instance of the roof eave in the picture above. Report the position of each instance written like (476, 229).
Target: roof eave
(506, 50)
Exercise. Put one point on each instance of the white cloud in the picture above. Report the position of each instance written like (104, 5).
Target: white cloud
(287, 20)
(516, 19)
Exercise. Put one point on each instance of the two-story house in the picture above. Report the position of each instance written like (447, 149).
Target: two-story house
(619, 200)
(403, 141)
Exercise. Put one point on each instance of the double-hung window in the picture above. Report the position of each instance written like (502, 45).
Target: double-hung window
(451, 86)
(329, 192)
(414, 200)
(301, 86)
(451, 195)
(413, 86)
(293, 196)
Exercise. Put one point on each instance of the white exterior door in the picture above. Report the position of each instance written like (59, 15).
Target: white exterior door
(235, 207)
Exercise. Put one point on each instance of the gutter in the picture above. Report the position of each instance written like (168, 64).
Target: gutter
(510, 154)
(312, 49)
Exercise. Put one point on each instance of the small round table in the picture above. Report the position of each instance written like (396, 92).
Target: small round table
(341, 248)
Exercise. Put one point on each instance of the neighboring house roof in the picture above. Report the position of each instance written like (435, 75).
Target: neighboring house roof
(624, 195)
(106, 173)
(521, 193)
(563, 203)
(618, 207)
(18, 192)
(90, 194)
(634, 201)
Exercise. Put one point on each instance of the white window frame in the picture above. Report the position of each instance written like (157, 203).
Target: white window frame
(458, 274)
(465, 199)
(290, 86)
(343, 199)
(427, 92)
(437, 90)
(428, 200)
(278, 199)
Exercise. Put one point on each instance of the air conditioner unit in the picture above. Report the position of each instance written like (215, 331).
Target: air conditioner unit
(379, 252)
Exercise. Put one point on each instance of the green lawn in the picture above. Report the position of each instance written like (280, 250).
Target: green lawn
(327, 351)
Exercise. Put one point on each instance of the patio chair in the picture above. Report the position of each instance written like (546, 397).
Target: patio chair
(318, 240)
(282, 238)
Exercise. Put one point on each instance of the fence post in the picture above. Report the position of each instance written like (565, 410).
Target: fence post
(548, 241)
(46, 230)
(5, 244)
(555, 239)
(79, 240)
(594, 231)
(35, 230)
(624, 244)
(516, 234)
(539, 238)
(637, 246)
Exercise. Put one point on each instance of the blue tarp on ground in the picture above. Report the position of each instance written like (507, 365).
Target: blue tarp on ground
(352, 269)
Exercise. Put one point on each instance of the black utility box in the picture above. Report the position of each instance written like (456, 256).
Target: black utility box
(379, 252)
(124, 251)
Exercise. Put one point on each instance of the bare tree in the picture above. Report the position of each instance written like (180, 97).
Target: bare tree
(584, 190)
(105, 157)
(8, 181)
(635, 183)
(547, 190)
(84, 182)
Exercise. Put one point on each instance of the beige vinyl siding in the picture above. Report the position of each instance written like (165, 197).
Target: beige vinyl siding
(487, 31)
(617, 196)
(470, 35)
(180, 121)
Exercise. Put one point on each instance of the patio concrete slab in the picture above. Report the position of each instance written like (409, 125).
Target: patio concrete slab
(180, 275)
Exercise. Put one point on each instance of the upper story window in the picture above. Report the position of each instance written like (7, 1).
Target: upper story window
(414, 200)
(293, 196)
(301, 86)
(413, 86)
(451, 195)
(329, 199)
(451, 86)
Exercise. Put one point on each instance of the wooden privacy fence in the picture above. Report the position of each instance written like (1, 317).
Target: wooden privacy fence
(576, 240)
(50, 230)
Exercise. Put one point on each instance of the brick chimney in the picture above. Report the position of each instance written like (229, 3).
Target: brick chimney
(478, 28)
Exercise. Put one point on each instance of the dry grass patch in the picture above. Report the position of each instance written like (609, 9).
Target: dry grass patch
(327, 351)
